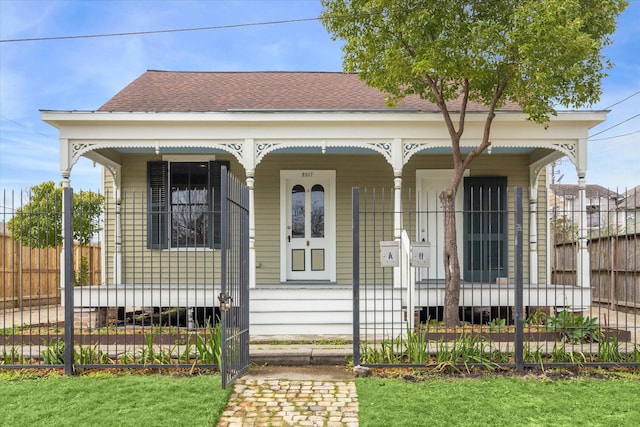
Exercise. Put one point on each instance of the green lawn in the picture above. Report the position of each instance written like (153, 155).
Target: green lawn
(123, 399)
(110, 400)
(499, 402)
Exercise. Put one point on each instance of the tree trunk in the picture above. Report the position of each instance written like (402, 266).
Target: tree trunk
(451, 262)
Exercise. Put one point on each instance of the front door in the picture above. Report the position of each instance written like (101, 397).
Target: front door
(308, 225)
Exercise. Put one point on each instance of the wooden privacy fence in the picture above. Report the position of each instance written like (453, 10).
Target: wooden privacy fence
(615, 268)
(31, 276)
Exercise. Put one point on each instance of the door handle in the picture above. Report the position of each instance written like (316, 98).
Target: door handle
(289, 239)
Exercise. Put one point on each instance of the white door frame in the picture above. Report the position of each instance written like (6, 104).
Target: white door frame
(287, 177)
(430, 227)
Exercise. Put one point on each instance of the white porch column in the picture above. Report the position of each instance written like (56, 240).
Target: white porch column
(397, 226)
(397, 205)
(583, 267)
(117, 256)
(533, 235)
(249, 162)
(116, 173)
(397, 163)
(65, 171)
(252, 230)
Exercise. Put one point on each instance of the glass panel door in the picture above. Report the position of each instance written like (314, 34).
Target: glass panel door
(307, 241)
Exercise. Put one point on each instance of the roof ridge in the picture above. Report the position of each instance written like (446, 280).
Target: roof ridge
(249, 72)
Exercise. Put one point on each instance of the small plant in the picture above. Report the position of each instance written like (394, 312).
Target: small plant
(9, 331)
(382, 352)
(559, 354)
(467, 349)
(535, 356)
(497, 325)
(151, 355)
(575, 328)
(537, 318)
(127, 359)
(82, 276)
(635, 355)
(13, 357)
(416, 347)
(185, 355)
(330, 342)
(91, 355)
(608, 351)
(209, 346)
(53, 354)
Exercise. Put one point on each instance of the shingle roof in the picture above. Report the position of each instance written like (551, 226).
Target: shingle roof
(176, 91)
(593, 191)
(632, 198)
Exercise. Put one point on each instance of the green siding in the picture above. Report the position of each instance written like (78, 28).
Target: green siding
(363, 171)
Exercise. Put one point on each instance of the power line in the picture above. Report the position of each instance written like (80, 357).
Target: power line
(26, 127)
(622, 100)
(179, 30)
(616, 125)
(615, 136)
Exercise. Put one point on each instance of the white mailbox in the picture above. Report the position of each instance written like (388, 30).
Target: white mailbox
(390, 254)
(421, 254)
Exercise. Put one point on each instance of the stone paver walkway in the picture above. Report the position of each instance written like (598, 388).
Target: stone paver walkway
(280, 402)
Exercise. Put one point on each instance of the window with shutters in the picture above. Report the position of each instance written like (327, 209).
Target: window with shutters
(184, 204)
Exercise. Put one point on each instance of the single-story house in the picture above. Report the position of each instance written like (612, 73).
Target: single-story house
(301, 141)
(601, 207)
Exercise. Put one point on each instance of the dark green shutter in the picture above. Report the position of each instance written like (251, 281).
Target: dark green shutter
(485, 229)
(157, 205)
(215, 169)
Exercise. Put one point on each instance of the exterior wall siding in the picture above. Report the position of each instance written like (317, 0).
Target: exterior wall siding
(364, 171)
(152, 266)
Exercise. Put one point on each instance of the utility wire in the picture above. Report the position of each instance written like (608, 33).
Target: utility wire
(180, 30)
(616, 125)
(622, 100)
(615, 136)
(26, 127)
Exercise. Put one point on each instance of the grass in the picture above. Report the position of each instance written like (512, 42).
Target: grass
(499, 401)
(105, 399)
(29, 398)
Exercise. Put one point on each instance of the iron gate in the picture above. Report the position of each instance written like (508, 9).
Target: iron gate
(234, 295)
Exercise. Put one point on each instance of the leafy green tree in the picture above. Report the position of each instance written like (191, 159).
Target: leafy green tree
(38, 224)
(538, 53)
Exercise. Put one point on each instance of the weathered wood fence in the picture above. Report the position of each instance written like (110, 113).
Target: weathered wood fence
(31, 276)
(615, 268)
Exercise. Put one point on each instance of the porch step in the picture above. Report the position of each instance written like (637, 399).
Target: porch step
(292, 354)
(296, 310)
(311, 310)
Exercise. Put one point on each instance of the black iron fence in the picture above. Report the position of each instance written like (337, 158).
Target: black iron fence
(575, 309)
(148, 297)
(138, 304)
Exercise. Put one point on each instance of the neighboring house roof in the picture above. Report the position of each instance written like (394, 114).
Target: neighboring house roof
(178, 91)
(631, 199)
(593, 191)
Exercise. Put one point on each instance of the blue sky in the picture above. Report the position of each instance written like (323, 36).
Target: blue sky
(81, 74)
